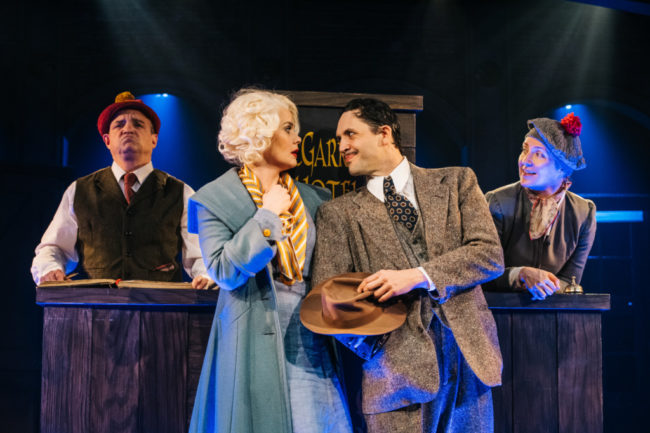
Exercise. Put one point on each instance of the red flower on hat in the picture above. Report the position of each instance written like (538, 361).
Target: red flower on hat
(571, 124)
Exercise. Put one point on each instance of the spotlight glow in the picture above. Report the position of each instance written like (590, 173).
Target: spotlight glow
(619, 216)
(568, 106)
(174, 152)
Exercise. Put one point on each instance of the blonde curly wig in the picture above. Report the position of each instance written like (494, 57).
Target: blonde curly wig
(249, 122)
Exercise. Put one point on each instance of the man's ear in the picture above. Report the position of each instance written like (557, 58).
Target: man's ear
(386, 134)
(107, 139)
(154, 138)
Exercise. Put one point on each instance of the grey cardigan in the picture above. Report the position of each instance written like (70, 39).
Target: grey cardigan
(563, 252)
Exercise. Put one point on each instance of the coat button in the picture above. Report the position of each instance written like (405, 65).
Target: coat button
(266, 233)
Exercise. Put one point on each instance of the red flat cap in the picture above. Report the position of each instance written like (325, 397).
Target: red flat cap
(125, 101)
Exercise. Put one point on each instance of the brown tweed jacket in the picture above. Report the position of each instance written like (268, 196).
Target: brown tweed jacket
(354, 234)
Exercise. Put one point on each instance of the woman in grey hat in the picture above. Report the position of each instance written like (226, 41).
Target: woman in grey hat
(546, 231)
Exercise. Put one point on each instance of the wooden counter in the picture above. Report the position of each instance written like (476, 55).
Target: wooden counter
(552, 363)
(128, 360)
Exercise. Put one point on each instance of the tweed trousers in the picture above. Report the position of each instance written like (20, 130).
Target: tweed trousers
(463, 403)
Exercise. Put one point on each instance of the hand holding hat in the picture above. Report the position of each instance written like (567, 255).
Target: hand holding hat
(334, 307)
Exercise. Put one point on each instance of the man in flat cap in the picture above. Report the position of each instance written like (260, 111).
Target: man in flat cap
(425, 235)
(125, 221)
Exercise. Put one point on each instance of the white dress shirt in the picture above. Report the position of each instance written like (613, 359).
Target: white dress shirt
(57, 248)
(403, 181)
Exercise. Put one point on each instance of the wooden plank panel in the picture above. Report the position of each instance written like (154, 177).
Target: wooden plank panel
(199, 325)
(580, 388)
(114, 388)
(339, 100)
(502, 395)
(89, 296)
(521, 300)
(66, 370)
(79, 295)
(407, 123)
(178, 297)
(171, 297)
(163, 371)
(534, 375)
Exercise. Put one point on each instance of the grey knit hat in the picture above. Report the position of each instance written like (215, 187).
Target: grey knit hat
(562, 139)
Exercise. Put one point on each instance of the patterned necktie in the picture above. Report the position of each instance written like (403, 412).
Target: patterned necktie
(399, 207)
(129, 181)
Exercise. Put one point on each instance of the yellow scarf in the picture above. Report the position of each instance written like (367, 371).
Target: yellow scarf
(292, 250)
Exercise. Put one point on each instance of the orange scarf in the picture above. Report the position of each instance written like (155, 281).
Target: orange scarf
(292, 250)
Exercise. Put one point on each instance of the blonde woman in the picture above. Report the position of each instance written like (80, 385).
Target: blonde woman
(262, 371)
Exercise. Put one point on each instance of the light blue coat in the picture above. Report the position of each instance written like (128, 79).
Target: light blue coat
(243, 385)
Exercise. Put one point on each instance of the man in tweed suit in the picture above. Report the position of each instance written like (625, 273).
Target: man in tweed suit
(434, 373)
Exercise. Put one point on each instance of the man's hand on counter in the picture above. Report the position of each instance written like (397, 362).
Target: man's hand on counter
(202, 282)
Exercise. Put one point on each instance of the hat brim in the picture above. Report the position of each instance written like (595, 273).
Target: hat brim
(109, 113)
(311, 314)
(542, 126)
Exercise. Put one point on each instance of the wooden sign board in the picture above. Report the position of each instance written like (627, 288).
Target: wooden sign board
(319, 162)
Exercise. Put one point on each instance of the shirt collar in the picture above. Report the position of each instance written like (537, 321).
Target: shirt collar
(400, 176)
(141, 173)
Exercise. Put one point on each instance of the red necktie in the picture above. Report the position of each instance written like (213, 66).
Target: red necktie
(129, 181)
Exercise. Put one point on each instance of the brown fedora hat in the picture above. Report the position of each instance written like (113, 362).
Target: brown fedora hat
(335, 308)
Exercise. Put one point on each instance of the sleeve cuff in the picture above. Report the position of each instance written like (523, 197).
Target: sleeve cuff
(37, 274)
(513, 276)
(270, 224)
(431, 288)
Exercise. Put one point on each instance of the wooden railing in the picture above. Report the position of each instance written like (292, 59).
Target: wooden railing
(128, 360)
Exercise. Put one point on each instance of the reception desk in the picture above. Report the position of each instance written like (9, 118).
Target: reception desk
(121, 360)
(552, 363)
(128, 360)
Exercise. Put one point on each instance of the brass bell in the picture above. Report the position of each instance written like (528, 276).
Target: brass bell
(574, 288)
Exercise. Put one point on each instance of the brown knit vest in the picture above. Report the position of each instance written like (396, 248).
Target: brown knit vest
(141, 240)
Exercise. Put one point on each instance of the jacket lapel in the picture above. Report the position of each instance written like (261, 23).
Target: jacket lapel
(433, 199)
(379, 236)
(228, 199)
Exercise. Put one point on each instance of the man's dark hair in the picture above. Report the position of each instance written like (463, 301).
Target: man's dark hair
(376, 114)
